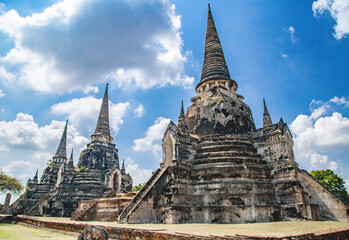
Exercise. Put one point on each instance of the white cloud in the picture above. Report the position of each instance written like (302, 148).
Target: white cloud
(6, 75)
(317, 135)
(23, 134)
(139, 111)
(2, 94)
(83, 113)
(74, 44)
(340, 101)
(291, 30)
(153, 136)
(2, 8)
(339, 10)
(318, 112)
(30, 146)
(89, 89)
(138, 174)
(42, 155)
(284, 56)
(117, 112)
(327, 133)
(22, 170)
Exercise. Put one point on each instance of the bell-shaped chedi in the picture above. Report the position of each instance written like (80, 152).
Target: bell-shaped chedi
(100, 153)
(217, 168)
(217, 109)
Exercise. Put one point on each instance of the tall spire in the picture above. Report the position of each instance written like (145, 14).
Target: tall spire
(214, 66)
(266, 117)
(102, 127)
(182, 121)
(61, 150)
(71, 161)
(35, 179)
(181, 114)
(123, 170)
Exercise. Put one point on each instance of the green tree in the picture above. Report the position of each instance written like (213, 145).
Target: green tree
(333, 182)
(8, 183)
(138, 187)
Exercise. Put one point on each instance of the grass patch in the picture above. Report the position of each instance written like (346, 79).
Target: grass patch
(19, 232)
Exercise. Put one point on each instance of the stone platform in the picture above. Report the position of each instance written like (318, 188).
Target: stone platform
(275, 230)
(103, 209)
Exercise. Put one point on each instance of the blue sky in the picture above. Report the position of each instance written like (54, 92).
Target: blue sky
(56, 56)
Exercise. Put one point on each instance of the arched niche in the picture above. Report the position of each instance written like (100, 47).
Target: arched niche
(168, 151)
(115, 181)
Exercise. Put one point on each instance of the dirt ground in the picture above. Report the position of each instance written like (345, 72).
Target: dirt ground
(272, 229)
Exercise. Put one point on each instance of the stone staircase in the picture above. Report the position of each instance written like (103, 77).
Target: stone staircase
(12, 207)
(85, 211)
(31, 210)
(141, 194)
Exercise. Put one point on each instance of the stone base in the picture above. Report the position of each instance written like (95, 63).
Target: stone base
(103, 209)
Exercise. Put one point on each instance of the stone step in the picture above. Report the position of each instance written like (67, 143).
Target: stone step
(82, 211)
(235, 159)
(225, 142)
(227, 154)
(234, 137)
(226, 147)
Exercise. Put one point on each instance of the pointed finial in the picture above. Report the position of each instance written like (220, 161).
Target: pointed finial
(266, 117)
(214, 66)
(71, 160)
(182, 109)
(61, 150)
(265, 107)
(35, 179)
(70, 164)
(123, 170)
(182, 121)
(102, 127)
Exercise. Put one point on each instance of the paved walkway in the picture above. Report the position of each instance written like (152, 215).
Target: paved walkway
(273, 229)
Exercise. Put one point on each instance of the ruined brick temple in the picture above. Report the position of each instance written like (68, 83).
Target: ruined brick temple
(62, 184)
(218, 168)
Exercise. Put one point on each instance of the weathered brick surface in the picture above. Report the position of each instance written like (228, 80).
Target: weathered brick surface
(61, 187)
(141, 234)
(218, 168)
(104, 209)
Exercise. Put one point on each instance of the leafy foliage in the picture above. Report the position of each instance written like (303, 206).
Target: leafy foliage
(8, 183)
(83, 169)
(49, 162)
(138, 187)
(333, 182)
